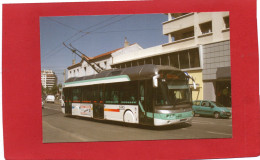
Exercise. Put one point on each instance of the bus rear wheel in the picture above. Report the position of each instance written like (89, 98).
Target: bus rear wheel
(129, 117)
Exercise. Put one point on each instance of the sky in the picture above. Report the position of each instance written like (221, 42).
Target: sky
(94, 35)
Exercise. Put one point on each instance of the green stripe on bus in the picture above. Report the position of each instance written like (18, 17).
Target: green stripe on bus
(172, 116)
(100, 79)
(141, 106)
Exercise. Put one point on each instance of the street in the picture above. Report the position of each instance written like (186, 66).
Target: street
(58, 128)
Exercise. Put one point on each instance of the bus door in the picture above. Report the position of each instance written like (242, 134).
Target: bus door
(145, 102)
(68, 101)
(98, 104)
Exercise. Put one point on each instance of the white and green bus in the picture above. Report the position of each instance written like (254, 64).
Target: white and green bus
(148, 95)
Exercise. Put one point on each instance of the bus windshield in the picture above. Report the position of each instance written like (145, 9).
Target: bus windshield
(172, 92)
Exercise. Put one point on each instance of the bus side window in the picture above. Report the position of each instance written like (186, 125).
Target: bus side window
(86, 94)
(128, 93)
(95, 95)
(112, 94)
(76, 95)
(149, 95)
(101, 93)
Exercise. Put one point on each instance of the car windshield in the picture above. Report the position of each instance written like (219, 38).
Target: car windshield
(217, 104)
(172, 93)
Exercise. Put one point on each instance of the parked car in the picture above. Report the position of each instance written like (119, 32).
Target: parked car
(50, 98)
(42, 103)
(210, 108)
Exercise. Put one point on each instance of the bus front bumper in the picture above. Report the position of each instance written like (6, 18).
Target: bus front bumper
(163, 122)
(168, 119)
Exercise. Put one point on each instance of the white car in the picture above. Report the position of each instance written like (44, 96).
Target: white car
(50, 98)
(42, 103)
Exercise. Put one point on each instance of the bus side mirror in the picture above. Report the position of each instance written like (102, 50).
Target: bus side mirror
(155, 81)
(194, 84)
(193, 81)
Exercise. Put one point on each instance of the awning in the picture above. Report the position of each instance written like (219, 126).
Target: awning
(223, 72)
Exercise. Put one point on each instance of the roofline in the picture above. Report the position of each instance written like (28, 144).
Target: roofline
(109, 53)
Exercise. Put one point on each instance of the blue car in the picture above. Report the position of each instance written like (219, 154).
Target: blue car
(210, 108)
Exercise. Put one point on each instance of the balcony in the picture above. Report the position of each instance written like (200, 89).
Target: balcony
(180, 44)
(183, 21)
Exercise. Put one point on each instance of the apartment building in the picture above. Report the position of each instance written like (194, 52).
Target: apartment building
(198, 43)
(48, 78)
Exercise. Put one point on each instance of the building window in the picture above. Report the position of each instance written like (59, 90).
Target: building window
(184, 60)
(141, 62)
(194, 58)
(85, 69)
(183, 34)
(206, 27)
(148, 61)
(116, 66)
(128, 64)
(105, 64)
(156, 60)
(164, 60)
(226, 21)
(134, 63)
(122, 65)
(174, 60)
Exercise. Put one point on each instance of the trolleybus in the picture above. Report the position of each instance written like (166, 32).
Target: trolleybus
(148, 94)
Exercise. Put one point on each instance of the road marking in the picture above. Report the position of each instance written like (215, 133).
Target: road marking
(52, 109)
(220, 133)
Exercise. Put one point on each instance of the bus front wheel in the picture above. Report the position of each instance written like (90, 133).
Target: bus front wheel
(129, 117)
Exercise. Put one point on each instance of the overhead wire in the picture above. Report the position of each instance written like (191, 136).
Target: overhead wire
(78, 31)
(91, 27)
(123, 18)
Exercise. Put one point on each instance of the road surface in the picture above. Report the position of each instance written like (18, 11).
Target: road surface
(58, 128)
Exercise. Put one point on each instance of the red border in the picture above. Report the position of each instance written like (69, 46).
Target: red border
(21, 89)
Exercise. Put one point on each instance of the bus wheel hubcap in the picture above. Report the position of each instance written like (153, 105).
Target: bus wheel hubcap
(129, 117)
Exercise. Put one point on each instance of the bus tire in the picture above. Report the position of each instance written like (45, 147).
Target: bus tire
(129, 117)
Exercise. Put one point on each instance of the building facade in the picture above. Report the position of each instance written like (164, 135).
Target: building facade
(48, 78)
(198, 43)
(104, 60)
